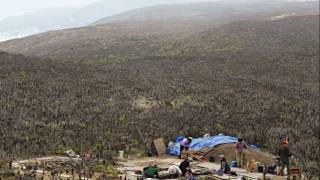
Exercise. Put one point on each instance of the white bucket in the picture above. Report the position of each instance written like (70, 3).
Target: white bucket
(121, 154)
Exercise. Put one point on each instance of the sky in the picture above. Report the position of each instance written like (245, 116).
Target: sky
(16, 7)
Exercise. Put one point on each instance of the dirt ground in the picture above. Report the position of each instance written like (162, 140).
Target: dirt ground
(131, 165)
(134, 164)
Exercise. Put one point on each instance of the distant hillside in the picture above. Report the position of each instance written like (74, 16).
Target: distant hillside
(213, 13)
(219, 12)
(139, 32)
(92, 43)
(284, 35)
(70, 17)
(136, 40)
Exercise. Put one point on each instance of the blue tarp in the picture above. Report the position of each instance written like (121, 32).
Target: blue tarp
(253, 146)
(200, 143)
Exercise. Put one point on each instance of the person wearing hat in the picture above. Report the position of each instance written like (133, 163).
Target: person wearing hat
(240, 148)
(224, 166)
(284, 155)
(174, 171)
(185, 145)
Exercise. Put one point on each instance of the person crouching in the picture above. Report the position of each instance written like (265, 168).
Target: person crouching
(185, 145)
(224, 166)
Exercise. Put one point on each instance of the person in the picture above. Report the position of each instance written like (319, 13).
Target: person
(151, 171)
(185, 145)
(224, 166)
(240, 148)
(184, 165)
(174, 171)
(284, 155)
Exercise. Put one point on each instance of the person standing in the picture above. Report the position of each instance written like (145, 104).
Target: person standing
(185, 145)
(284, 155)
(240, 148)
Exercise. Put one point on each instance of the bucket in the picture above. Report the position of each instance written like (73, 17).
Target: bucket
(220, 172)
(121, 154)
(260, 169)
(234, 164)
(295, 172)
(250, 166)
(256, 165)
(212, 159)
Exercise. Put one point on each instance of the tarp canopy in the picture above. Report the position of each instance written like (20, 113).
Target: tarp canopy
(200, 143)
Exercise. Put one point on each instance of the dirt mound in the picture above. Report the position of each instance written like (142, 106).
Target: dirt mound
(228, 151)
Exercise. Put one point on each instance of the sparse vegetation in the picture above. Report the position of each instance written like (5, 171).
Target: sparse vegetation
(183, 100)
(264, 87)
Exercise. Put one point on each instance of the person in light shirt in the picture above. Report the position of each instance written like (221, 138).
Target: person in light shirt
(185, 145)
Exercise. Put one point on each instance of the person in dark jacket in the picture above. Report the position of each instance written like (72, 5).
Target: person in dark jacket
(184, 165)
(284, 155)
(224, 166)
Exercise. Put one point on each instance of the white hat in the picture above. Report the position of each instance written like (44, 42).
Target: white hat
(173, 170)
(221, 156)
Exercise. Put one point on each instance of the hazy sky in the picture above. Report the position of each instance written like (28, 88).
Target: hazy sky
(17, 7)
(14, 7)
